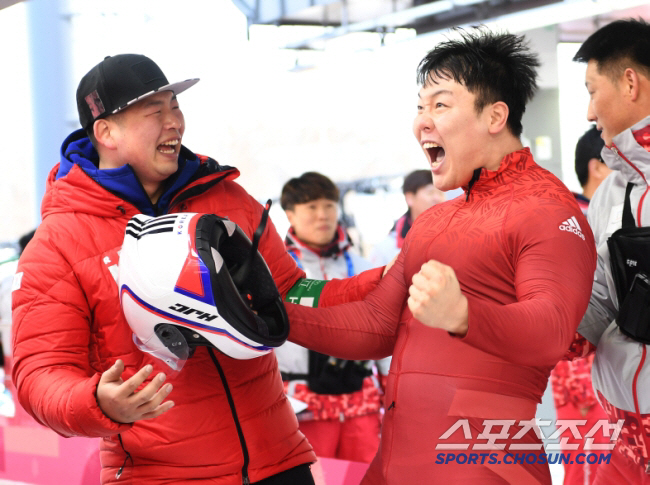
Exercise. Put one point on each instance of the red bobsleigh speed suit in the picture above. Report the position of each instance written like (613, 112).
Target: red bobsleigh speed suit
(524, 256)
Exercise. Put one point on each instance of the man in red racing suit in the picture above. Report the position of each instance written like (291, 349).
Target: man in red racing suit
(487, 291)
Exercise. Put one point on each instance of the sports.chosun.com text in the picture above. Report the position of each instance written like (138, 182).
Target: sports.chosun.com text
(521, 458)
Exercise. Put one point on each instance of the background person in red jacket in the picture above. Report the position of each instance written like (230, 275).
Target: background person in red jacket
(76, 367)
(487, 291)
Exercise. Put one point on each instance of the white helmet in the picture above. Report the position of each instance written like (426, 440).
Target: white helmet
(193, 279)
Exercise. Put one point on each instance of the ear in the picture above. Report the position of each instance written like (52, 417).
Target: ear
(631, 83)
(592, 168)
(103, 130)
(597, 169)
(498, 117)
(408, 197)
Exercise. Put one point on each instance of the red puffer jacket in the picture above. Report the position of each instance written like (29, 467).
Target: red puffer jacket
(69, 328)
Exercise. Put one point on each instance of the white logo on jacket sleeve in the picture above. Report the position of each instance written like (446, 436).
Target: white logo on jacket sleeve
(571, 225)
(18, 278)
(112, 266)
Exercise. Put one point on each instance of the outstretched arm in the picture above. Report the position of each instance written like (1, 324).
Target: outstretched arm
(288, 276)
(361, 330)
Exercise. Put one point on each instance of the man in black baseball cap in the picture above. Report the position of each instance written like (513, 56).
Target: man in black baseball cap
(77, 369)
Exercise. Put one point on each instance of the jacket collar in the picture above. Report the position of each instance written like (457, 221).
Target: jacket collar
(340, 243)
(122, 181)
(629, 153)
(512, 166)
(77, 184)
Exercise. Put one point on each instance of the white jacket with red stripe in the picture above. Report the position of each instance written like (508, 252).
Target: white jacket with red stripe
(621, 369)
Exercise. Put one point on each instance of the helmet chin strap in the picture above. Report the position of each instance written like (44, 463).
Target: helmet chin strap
(242, 272)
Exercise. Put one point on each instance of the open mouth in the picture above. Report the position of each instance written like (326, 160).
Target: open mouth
(436, 153)
(169, 147)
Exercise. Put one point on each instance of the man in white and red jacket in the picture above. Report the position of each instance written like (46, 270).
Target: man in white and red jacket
(76, 367)
(342, 417)
(618, 82)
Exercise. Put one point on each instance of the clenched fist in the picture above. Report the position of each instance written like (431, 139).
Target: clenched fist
(436, 300)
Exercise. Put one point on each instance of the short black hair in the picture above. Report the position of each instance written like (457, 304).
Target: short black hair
(309, 186)
(589, 146)
(617, 45)
(416, 180)
(493, 66)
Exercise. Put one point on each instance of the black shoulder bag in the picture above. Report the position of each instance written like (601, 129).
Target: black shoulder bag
(329, 375)
(629, 250)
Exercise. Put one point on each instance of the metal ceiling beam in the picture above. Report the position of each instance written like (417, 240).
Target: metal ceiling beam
(435, 16)
(391, 20)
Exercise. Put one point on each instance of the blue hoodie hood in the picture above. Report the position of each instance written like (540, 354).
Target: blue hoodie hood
(77, 149)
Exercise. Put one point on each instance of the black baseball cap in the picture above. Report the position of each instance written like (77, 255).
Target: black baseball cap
(119, 81)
